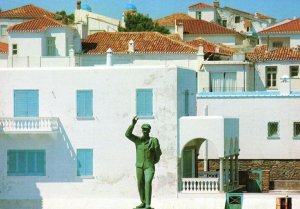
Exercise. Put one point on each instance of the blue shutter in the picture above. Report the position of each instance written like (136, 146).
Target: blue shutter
(22, 162)
(144, 102)
(84, 162)
(80, 163)
(148, 102)
(40, 163)
(88, 103)
(11, 162)
(20, 103)
(31, 162)
(85, 103)
(26, 103)
(32, 103)
(89, 162)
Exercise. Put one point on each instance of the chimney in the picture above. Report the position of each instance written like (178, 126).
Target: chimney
(179, 29)
(200, 54)
(131, 46)
(216, 3)
(109, 57)
(78, 4)
(285, 85)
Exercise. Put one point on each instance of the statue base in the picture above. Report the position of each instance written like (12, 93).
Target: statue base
(143, 208)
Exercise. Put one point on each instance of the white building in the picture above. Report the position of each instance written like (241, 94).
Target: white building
(18, 15)
(240, 21)
(285, 34)
(94, 22)
(51, 43)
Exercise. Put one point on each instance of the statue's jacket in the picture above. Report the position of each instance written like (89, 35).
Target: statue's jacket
(145, 157)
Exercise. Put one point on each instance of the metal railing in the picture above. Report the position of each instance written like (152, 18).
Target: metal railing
(28, 125)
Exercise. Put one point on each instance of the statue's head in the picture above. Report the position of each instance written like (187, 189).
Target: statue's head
(146, 129)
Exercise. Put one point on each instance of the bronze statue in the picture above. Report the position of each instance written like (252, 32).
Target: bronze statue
(147, 155)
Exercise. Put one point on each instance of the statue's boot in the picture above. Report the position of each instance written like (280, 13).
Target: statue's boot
(142, 205)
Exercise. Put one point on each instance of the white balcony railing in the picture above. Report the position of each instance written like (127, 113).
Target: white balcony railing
(200, 185)
(28, 125)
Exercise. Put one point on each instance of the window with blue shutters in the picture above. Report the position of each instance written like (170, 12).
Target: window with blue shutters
(144, 102)
(84, 103)
(26, 103)
(84, 162)
(26, 163)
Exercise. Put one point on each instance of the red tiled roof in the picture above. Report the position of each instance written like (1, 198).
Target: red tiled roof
(174, 36)
(209, 47)
(28, 11)
(201, 6)
(144, 42)
(37, 25)
(3, 48)
(292, 26)
(170, 20)
(280, 54)
(203, 27)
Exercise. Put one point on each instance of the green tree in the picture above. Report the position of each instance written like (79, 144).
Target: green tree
(65, 18)
(139, 22)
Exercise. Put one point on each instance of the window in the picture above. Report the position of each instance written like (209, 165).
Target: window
(14, 49)
(223, 82)
(84, 162)
(297, 129)
(198, 15)
(186, 102)
(248, 29)
(26, 103)
(3, 30)
(26, 163)
(237, 19)
(273, 130)
(144, 102)
(277, 44)
(224, 23)
(271, 74)
(51, 49)
(84, 103)
(294, 71)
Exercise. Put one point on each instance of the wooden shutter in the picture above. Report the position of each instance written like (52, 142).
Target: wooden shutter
(144, 102)
(26, 103)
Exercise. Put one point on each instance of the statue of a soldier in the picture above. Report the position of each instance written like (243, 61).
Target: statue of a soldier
(147, 155)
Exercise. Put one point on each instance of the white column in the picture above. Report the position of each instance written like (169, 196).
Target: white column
(221, 176)
(237, 170)
(205, 155)
(231, 171)
(226, 172)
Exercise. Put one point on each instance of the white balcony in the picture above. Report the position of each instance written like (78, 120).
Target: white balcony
(200, 185)
(28, 125)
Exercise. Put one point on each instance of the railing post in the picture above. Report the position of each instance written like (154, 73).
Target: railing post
(221, 178)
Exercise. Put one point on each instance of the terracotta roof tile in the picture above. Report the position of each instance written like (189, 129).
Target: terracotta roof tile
(170, 20)
(3, 48)
(292, 26)
(203, 27)
(201, 6)
(144, 42)
(28, 11)
(37, 25)
(280, 54)
(210, 47)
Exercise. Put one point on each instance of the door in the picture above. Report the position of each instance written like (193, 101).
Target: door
(255, 181)
(188, 163)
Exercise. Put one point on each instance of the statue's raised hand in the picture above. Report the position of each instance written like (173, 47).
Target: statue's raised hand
(134, 120)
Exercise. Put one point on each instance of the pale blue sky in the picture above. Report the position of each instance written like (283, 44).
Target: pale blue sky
(280, 9)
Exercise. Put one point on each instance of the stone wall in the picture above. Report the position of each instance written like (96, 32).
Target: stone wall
(279, 169)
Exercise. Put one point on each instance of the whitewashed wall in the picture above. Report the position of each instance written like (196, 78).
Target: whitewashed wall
(114, 90)
(254, 113)
(184, 60)
(9, 22)
(206, 14)
(283, 68)
(288, 40)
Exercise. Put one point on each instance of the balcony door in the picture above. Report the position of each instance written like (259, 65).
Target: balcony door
(223, 82)
(26, 103)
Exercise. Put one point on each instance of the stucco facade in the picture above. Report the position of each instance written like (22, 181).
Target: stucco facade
(114, 105)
